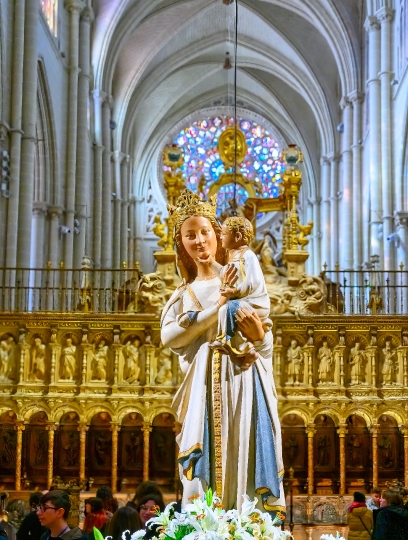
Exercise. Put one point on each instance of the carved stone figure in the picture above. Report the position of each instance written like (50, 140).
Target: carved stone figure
(357, 361)
(41, 448)
(165, 372)
(326, 364)
(390, 365)
(131, 369)
(7, 448)
(292, 448)
(323, 450)
(100, 361)
(386, 458)
(7, 362)
(312, 292)
(68, 361)
(38, 357)
(152, 292)
(354, 447)
(295, 360)
(159, 229)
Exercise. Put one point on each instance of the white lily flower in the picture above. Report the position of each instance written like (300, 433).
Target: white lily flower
(136, 535)
(124, 537)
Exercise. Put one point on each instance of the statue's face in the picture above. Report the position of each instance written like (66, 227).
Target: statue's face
(37, 342)
(357, 345)
(69, 342)
(198, 237)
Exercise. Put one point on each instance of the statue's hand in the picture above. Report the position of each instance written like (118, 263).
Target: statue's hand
(230, 276)
(250, 324)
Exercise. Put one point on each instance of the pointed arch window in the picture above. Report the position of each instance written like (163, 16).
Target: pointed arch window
(50, 10)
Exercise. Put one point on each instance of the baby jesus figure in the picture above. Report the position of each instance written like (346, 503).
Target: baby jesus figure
(249, 292)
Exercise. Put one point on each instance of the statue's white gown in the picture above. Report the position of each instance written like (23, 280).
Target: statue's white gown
(251, 435)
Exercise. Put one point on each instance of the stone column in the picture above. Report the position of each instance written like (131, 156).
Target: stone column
(325, 211)
(19, 450)
(147, 429)
(50, 463)
(83, 428)
(106, 229)
(342, 432)
(117, 220)
(346, 222)
(98, 99)
(374, 435)
(28, 143)
(374, 176)
(386, 16)
(404, 431)
(54, 213)
(124, 224)
(114, 474)
(74, 8)
(82, 190)
(357, 202)
(37, 254)
(131, 237)
(334, 210)
(16, 132)
(317, 235)
(310, 431)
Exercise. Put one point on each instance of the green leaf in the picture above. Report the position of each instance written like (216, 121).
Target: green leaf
(209, 497)
(97, 534)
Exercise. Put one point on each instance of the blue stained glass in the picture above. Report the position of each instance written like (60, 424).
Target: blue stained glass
(262, 165)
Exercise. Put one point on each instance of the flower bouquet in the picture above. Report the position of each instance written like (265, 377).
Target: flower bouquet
(331, 537)
(206, 519)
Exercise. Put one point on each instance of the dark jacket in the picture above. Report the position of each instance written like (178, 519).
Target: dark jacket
(73, 534)
(30, 528)
(391, 523)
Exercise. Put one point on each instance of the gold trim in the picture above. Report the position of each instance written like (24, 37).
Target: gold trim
(194, 298)
(281, 472)
(275, 508)
(197, 446)
(242, 266)
(217, 421)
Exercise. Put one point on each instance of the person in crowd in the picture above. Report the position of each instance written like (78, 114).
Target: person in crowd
(359, 518)
(31, 528)
(53, 512)
(3, 533)
(391, 520)
(145, 488)
(110, 504)
(95, 516)
(124, 519)
(147, 507)
(373, 503)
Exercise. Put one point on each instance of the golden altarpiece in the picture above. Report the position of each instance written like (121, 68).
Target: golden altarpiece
(87, 387)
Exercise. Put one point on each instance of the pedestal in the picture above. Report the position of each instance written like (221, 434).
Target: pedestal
(295, 260)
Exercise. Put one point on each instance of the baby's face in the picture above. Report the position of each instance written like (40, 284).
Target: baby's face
(228, 239)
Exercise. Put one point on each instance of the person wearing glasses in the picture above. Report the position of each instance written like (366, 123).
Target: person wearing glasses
(31, 528)
(53, 512)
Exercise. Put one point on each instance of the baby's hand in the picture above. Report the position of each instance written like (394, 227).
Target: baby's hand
(228, 292)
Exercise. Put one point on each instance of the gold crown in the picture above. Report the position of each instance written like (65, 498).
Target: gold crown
(190, 204)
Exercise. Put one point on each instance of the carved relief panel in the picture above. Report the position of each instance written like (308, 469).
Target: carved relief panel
(99, 359)
(8, 440)
(130, 456)
(162, 458)
(99, 448)
(69, 358)
(326, 456)
(67, 447)
(358, 453)
(294, 449)
(35, 448)
(131, 360)
(390, 450)
(327, 361)
(358, 361)
(36, 359)
(391, 362)
(295, 361)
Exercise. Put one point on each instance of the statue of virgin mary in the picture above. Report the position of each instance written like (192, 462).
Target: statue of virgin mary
(230, 437)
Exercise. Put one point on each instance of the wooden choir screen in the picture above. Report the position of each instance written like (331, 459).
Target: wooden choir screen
(35, 450)
(8, 449)
(359, 462)
(390, 451)
(66, 449)
(162, 464)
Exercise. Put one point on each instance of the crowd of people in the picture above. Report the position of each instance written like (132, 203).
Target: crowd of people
(384, 516)
(48, 518)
